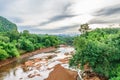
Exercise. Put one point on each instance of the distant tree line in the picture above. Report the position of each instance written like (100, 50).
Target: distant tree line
(66, 39)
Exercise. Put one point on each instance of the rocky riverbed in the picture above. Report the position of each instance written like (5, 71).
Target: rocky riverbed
(44, 66)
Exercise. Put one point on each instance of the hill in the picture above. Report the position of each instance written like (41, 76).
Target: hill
(6, 25)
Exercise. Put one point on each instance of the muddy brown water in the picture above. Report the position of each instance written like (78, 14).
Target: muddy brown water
(10, 69)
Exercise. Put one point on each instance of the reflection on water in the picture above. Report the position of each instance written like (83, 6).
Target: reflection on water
(11, 71)
(6, 70)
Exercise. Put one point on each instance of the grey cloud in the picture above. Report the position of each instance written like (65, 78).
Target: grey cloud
(62, 29)
(103, 21)
(57, 18)
(66, 7)
(109, 14)
(65, 13)
(107, 11)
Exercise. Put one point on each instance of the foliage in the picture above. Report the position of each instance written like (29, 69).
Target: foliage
(10, 49)
(6, 25)
(101, 49)
(84, 28)
(66, 39)
(3, 54)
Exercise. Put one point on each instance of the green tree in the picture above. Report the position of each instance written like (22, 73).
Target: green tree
(47, 43)
(25, 44)
(13, 35)
(3, 54)
(11, 50)
(4, 38)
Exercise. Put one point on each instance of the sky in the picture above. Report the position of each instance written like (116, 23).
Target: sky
(59, 16)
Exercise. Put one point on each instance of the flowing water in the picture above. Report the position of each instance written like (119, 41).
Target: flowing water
(38, 66)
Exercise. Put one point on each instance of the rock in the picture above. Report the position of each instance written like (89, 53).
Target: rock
(38, 66)
(87, 68)
(51, 56)
(64, 61)
(29, 63)
(60, 73)
(49, 68)
(38, 75)
(66, 54)
(95, 78)
(37, 60)
(92, 78)
(31, 76)
(72, 52)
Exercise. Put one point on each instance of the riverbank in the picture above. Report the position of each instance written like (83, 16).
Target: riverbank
(26, 55)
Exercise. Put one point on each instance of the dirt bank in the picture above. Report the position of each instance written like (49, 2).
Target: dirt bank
(26, 55)
(60, 73)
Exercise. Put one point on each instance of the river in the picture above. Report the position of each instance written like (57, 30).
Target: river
(37, 67)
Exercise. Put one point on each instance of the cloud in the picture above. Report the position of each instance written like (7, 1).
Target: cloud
(107, 11)
(48, 16)
(104, 20)
(107, 15)
(57, 18)
(61, 29)
(65, 13)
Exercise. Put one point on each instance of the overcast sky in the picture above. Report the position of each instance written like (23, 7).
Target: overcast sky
(59, 16)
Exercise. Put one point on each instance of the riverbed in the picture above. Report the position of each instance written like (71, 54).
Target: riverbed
(37, 67)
